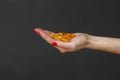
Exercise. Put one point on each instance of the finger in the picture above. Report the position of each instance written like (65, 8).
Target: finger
(66, 45)
(38, 30)
(48, 31)
(44, 35)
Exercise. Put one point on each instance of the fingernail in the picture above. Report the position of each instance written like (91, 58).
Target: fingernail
(54, 44)
(37, 32)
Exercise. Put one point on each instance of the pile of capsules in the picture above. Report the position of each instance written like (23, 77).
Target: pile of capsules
(61, 36)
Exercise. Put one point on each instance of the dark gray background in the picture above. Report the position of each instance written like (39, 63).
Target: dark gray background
(25, 56)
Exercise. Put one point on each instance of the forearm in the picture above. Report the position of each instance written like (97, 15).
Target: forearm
(104, 43)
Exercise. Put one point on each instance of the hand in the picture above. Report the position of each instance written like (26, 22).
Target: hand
(79, 42)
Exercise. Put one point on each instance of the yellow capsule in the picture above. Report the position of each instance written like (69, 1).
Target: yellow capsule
(61, 36)
(65, 40)
(51, 35)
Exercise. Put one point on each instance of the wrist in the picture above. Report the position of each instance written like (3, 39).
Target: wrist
(90, 41)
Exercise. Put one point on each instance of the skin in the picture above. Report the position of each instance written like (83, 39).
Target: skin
(82, 40)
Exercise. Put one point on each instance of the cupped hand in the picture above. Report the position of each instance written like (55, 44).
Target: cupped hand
(78, 42)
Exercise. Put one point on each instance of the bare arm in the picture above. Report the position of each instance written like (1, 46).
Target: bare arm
(82, 40)
(104, 43)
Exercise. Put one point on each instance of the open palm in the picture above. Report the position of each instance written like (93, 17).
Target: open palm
(75, 44)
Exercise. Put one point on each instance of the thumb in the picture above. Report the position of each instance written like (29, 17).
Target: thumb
(60, 44)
